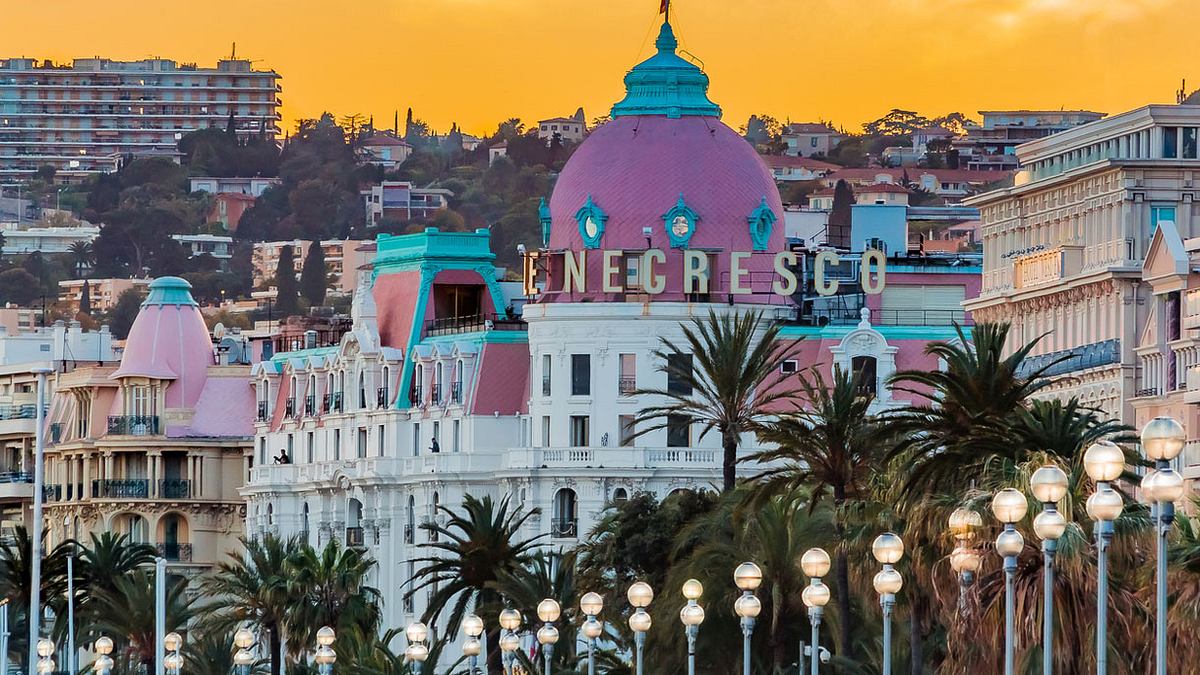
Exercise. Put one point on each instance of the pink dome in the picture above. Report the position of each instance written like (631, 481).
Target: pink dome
(169, 341)
(635, 169)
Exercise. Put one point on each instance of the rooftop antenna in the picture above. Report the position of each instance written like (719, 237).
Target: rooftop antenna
(1181, 95)
(233, 52)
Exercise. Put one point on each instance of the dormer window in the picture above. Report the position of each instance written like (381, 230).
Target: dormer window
(680, 223)
(591, 219)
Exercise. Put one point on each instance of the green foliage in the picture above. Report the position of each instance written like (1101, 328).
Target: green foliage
(213, 152)
(120, 318)
(18, 287)
(287, 300)
(314, 278)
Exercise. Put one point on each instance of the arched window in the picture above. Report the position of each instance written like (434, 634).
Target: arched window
(437, 382)
(133, 526)
(620, 495)
(418, 381)
(433, 514)
(864, 370)
(354, 531)
(385, 387)
(304, 521)
(456, 387)
(270, 514)
(565, 522)
(410, 520)
(173, 538)
(362, 390)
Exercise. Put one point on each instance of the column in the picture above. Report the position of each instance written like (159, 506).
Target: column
(154, 460)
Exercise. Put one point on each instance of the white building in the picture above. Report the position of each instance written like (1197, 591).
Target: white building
(21, 239)
(402, 201)
(233, 185)
(215, 245)
(83, 118)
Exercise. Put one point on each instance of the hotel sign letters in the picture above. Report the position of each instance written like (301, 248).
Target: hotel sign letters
(693, 269)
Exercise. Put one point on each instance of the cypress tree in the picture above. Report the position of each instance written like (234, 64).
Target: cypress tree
(287, 301)
(313, 276)
(839, 215)
(85, 299)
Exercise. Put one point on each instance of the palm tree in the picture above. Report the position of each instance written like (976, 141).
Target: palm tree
(547, 575)
(82, 255)
(15, 581)
(970, 411)
(830, 444)
(467, 555)
(128, 612)
(329, 589)
(209, 652)
(253, 587)
(731, 382)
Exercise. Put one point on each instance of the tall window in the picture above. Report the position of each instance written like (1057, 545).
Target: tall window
(628, 376)
(547, 370)
(678, 431)
(627, 428)
(545, 431)
(362, 390)
(456, 441)
(310, 441)
(362, 442)
(581, 374)
(416, 439)
(565, 521)
(863, 369)
(141, 401)
(381, 439)
(337, 444)
(679, 367)
(580, 431)
(1170, 142)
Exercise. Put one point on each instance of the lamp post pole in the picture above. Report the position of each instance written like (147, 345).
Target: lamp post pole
(815, 563)
(1104, 462)
(692, 615)
(1162, 440)
(1009, 506)
(887, 548)
(747, 577)
(1049, 548)
(1049, 485)
(39, 468)
(72, 655)
(591, 604)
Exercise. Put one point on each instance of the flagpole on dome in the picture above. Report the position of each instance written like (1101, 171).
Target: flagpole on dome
(664, 7)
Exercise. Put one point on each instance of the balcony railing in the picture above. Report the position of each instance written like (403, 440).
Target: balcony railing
(408, 533)
(469, 324)
(289, 408)
(262, 411)
(310, 405)
(337, 401)
(564, 528)
(52, 493)
(326, 402)
(131, 488)
(173, 488)
(354, 537)
(627, 385)
(456, 392)
(885, 317)
(381, 397)
(16, 477)
(436, 394)
(25, 411)
(414, 396)
(133, 425)
(175, 552)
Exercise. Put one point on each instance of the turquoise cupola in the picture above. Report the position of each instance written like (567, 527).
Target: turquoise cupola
(666, 84)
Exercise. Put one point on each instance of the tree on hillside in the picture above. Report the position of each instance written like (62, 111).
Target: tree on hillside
(18, 287)
(839, 215)
(287, 300)
(85, 298)
(313, 277)
(896, 122)
(122, 314)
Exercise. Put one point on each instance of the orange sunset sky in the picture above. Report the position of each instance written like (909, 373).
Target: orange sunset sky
(477, 62)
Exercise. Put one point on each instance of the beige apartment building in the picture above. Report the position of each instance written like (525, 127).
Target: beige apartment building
(1068, 254)
(343, 257)
(102, 293)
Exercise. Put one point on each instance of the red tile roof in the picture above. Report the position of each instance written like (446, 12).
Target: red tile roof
(384, 139)
(809, 128)
(882, 187)
(859, 175)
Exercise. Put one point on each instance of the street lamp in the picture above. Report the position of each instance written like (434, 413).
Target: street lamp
(747, 577)
(965, 561)
(173, 662)
(548, 611)
(815, 564)
(692, 615)
(591, 604)
(416, 652)
(1162, 441)
(1009, 507)
(510, 621)
(472, 627)
(104, 662)
(887, 548)
(45, 664)
(325, 656)
(1049, 484)
(640, 595)
(1104, 462)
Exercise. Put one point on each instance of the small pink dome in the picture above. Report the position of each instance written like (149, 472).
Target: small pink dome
(169, 341)
(635, 168)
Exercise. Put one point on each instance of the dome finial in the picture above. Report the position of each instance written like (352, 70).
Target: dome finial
(666, 41)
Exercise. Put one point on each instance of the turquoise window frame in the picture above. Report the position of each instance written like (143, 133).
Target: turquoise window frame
(592, 210)
(680, 209)
(761, 221)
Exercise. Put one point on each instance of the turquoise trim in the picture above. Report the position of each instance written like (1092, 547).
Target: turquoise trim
(680, 214)
(170, 291)
(591, 214)
(924, 333)
(544, 219)
(429, 253)
(666, 84)
(477, 338)
(283, 357)
(761, 220)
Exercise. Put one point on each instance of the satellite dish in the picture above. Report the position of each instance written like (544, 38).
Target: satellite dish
(218, 331)
(234, 349)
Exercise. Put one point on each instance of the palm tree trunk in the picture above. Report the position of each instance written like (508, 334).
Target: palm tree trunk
(916, 636)
(276, 644)
(842, 571)
(729, 462)
(494, 664)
